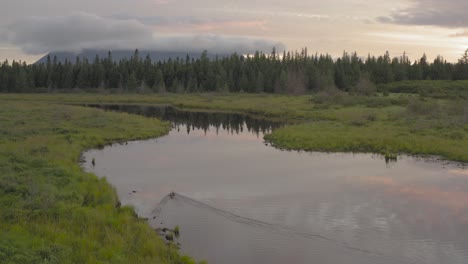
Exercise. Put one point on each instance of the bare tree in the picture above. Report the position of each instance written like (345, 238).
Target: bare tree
(296, 82)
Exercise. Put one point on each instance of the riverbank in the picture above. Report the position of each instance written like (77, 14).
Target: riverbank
(53, 212)
(385, 124)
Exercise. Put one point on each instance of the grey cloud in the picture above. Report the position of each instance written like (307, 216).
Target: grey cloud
(3, 37)
(73, 33)
(216, 43)
(180, 20)
(148, 20)
(447, 13)
(87, 31)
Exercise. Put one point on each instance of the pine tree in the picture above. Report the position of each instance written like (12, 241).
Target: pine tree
(260, 83)
(132, 82)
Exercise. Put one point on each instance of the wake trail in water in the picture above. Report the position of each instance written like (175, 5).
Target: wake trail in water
(277, 228)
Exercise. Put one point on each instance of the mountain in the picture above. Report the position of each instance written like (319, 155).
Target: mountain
(118, 55)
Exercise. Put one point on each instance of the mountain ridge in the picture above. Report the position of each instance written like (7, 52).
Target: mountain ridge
(117, 55)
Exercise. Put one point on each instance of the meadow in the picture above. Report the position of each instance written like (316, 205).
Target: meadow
(53, 212)
(397, 123)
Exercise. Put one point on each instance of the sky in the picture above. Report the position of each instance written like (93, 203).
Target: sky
(31, 28)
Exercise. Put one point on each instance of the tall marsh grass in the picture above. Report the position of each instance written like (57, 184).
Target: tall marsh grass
(53, 212)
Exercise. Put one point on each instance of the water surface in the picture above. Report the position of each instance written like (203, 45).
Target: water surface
(242, 201)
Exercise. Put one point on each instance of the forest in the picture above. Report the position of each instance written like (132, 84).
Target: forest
(275, 72)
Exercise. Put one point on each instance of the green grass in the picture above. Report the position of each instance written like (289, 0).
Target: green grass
(396, 123)
(53, 212)
(435, 89)
(422, 127)
(376, 137)
(285, 107)
(262, 104)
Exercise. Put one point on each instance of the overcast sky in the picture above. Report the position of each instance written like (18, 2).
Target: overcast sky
(31, 28)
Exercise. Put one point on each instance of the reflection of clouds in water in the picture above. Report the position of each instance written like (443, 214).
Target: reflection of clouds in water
(460, 172)
(387, 181)
(347, 221)
(381, 223)
(455, 201)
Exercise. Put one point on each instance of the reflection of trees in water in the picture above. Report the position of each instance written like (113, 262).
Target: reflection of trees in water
(232, 122)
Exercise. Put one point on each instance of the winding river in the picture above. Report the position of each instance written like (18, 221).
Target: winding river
(240, 200)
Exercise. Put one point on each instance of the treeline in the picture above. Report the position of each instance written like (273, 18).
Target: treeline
(287, 72)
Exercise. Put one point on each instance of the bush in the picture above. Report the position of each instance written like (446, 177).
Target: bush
(365, 87)
(362, 119)
(435, 89)
(420, 107)
(330, 95)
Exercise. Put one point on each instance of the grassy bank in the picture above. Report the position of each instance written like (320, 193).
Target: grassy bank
(395, 123)
(51, 211)
(263, 104)
(401, 124)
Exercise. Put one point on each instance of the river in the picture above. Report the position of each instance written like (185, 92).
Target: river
(240, 200)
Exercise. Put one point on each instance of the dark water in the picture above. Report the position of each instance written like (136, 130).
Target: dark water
(240, 201)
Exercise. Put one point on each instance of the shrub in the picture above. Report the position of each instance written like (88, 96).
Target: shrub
(365, 87)
(420, 107)
(435, 89)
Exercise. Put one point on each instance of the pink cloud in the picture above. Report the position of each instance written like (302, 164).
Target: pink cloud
(433, 198)
(162, 2)
(462, 34)
(208, 26)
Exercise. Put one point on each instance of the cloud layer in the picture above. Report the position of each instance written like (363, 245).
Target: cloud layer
(447, 13)
(462, 34)
(323, 26)
(79, 31)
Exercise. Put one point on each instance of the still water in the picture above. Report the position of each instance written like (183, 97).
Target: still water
(240, 200)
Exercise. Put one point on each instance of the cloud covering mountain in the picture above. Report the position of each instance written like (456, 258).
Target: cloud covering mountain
(37, 35)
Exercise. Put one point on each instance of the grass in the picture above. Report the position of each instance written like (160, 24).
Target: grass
(375, 137)
(435, 89)
(416, 125)
(261, 104)
(395, 123)
(284, 107)
(53, 212)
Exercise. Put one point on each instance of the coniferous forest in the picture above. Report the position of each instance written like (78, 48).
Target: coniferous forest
(286, 72)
